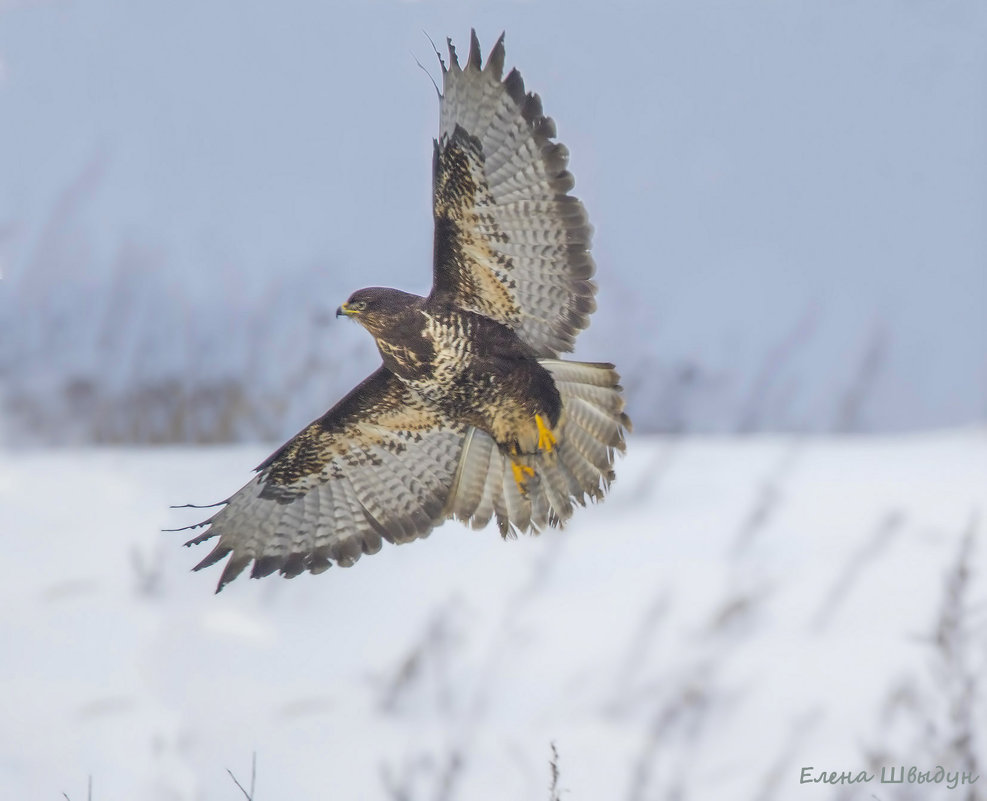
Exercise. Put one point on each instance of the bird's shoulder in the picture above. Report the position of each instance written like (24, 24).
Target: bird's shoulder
(451, 326)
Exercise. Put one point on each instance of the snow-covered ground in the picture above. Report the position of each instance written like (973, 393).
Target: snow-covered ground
(739, 609)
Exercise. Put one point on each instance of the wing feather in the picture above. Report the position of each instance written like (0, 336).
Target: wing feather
(510, 242)
(379, 465)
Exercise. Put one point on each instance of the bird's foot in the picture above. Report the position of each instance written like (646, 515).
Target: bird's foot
(521, 474)
(546, 440)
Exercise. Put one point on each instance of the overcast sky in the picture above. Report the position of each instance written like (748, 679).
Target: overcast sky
(777, 188)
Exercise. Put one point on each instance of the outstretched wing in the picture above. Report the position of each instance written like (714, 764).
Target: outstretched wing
(378, 466)
(383, 465)
(510, 242)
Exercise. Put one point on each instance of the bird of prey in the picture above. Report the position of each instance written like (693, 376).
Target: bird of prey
(471, 414)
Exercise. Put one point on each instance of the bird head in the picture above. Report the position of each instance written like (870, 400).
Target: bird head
(375, 308)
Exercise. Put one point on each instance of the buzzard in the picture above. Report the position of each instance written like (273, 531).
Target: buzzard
(471, 415)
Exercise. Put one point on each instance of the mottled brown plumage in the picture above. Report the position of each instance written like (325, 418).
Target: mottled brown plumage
(471, 414)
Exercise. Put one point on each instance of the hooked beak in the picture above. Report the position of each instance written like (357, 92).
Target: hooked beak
(345, 311)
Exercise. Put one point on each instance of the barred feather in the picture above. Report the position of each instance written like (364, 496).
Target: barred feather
(580, 467)
(511, 243)
(427, 436)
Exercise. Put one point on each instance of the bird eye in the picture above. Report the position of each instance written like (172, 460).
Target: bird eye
(358, 305)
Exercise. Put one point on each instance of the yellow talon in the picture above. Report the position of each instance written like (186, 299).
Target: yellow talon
(546, 440)
(521, 472)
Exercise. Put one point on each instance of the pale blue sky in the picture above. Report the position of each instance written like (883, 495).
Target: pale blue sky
(796, 179)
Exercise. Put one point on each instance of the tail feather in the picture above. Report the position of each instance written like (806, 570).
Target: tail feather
(583, 440)
(555, 484)
(483, 470)
(473, 478)
(518, 506)
(589, 432)
(580, 471)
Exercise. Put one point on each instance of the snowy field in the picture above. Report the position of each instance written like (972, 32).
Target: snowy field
(739, 609)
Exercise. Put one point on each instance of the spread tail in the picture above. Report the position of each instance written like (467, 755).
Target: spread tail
(580, 465)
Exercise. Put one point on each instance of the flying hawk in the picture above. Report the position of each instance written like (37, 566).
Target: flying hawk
(471, 415)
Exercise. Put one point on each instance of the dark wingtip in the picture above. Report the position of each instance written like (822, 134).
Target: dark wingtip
(453, 58)
(213, 556)
(422, 67)
(435, 49)
(514, 85)
(266, 565)
(532, 109)
(197, 505)
(187, 528)
(473, 59)
(293, 565)
(204, 537)
(495, 61)
(233, 569)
